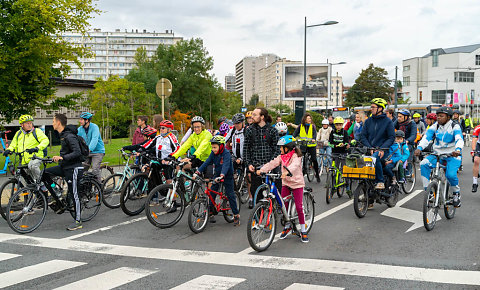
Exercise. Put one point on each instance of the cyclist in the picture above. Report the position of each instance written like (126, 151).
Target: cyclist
(165, 144)
(431, 119)
(398, 153)
(70, 165)
(350, 125)
(137, 135)
(322, 139)
(281, 128)
(339, 140)
(148, 134)
(307, 130)
(420, 125)
(91, 133)
(468, 123)
(291, 157)
(220, 158)
(409, 127)
(456, 118)
(29, 140)
(223, 129)
(248, 116)
(476, 156)
(378, 132)
(357, 130)
(448, 140)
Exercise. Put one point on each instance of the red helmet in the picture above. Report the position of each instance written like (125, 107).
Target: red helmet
(432, 116)
(166, 123)
(149, 131)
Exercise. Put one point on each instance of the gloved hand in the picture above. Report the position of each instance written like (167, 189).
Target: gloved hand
(32, 150)
(7, 152)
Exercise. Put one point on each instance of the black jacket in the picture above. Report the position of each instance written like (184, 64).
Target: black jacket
(70, 150)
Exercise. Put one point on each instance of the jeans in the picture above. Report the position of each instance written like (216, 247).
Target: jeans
(379, 167)
(430, 162)
(326, 150)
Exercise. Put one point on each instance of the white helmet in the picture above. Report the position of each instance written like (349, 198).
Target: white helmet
(281, 127)
(325, 122)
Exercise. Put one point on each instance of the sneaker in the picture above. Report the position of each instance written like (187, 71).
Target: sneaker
(456, 200)
(474, 187)
(370, 205)
(304, 237)
(380, 185)
(318, 178)
(236, 220)
(285, 233)
(212, 219)
(75, 226)
(250, 204)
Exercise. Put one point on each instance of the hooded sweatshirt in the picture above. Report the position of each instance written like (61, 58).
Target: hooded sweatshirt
(70, 148)
(378, 132)
(295, 167)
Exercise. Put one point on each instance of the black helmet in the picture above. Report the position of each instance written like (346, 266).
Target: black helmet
(238, 118)
(445, 110)
(400, 133)
(352, 117)
(221, 120)
(457, 112)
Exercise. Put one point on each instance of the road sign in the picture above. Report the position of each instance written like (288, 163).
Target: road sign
(164, 90)
(244, 109)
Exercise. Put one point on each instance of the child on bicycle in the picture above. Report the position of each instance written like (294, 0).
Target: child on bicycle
(339, 139)
(223, 169)
(291, 158)
(398, 152)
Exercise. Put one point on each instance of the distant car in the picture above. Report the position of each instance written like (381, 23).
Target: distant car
(314, 83)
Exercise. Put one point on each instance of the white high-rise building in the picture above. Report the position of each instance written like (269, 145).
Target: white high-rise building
(114, 51)
(230, 83)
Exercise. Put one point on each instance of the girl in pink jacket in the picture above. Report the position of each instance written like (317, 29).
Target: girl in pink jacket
(291, 157)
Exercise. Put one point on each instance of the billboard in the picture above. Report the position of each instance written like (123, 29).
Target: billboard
(317, 85)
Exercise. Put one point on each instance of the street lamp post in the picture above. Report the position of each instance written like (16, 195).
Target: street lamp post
(305, 60)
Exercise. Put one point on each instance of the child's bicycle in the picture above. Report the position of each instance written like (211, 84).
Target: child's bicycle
(200, 210)
(4, 144)
(262, 222)
(335, 182)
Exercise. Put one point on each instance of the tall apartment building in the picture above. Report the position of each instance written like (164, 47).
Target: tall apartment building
(114, 51)
(230, 83)
(247, 81)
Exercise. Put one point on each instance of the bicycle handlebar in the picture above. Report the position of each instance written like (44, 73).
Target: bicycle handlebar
(46, 160)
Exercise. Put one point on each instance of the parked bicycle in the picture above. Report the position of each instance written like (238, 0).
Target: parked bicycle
(323, 161)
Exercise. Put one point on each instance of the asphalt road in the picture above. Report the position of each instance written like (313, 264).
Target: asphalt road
(388, 248)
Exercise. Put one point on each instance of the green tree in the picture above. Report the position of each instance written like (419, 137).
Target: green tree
(32, 50)
(278, 109)
(372, 83)
(232, 103)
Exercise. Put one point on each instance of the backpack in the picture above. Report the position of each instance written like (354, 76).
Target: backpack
(83, 147)
(45, 151)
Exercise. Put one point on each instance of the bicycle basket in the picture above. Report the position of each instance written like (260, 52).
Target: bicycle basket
(354, 161)
(365, 172)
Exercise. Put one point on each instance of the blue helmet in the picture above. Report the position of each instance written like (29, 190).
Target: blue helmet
(287, 141)
(86, 115)
(404, 112)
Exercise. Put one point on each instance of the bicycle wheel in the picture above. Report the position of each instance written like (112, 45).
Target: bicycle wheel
(329, 184)
(261, 228)
(448, 207)
(134, 194)
(341, 189)
(198, 215)
(7, 189)
(410, 178)
(308, 210)
(309, 168)
(360, 200)
(159, 211)
(90, 199)
(105, 171)
(26, 210)
(430, 211)
(228, 215)
(392, 200)
(261, 192)
(111, 188)
(241, 187)
(320, 166)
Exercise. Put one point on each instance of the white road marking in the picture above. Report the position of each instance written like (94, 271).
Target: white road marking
(109, 280)
(300, 286)
(104, 229)
(6, 256)
(210, 282)
(461, 277)
(35, 271)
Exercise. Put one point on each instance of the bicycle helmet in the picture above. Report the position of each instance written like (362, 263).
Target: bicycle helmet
(86, 115)
(25, 118)
(224, 128)
(198, 119)
(221, 120)
(281, 128)
(352, 117)
(445, 110)
(404, 112)
(238, 118)
(325, 122)
(287, 141)
(379, 102)
(457, 112)
(248, 114)
(432, 116)
(399, 133)
(338, 120)
(149, 131)
(417, 115)
(166, 123)
(217, 139)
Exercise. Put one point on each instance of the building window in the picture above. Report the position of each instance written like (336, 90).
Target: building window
(464, 77)
(477, 60)
(439, 96)
(434, 58)
(406, 68)
(406, 81)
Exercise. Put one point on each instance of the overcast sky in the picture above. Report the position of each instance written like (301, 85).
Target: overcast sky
(382, 32)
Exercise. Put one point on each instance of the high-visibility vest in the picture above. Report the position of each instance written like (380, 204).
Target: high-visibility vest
(419, 136)
(308, 134)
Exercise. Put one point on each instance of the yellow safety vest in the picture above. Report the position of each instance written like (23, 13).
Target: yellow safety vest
(308, 134)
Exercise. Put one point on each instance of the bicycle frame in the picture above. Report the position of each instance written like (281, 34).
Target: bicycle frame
(439, 176)
(175, 184)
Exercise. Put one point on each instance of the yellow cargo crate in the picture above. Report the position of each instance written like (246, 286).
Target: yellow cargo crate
(367, 172)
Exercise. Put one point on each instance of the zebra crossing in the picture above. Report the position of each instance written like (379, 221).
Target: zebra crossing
(116, 277)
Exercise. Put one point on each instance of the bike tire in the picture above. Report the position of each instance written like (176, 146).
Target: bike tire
(112, 188)
(105, 171)
(228, 215)
(90, 199)
(409, 184)
(329, 186)
(241, 187)
(360, 200)
(134, 193)
(199, 215)
(257, 224)
(430, 213)
(260, 191)
(308, 210)
(7, 190)
(393, 199)
(26, 210)
(341, 189)
(309, 169)
(449, 209)
(160, 215)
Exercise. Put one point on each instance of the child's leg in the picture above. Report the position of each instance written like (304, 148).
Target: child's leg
(285, 192)
(230, 193)
(298, 198)
(215, 187)
(401, 170)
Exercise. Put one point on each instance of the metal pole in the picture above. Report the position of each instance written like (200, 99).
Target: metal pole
(396, 89)
(305, 70)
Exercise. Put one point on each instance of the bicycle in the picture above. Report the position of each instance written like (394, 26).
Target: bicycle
(28, 206)
(323, 164)
(410, 176)
(241, 181)
(4, 147)
(112, 185)
(200, 209)
(307, 164)
(437, 194)
(105, 170)
(166, 203)
(335, 181)
(263, 218)
(468, 139)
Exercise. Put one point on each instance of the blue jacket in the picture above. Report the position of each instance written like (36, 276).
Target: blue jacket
(357, 130)
(401, 154)
(222, 164)
(378, 132)
(92, 138)
(410, 130)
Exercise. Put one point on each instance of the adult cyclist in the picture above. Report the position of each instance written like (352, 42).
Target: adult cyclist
(378, 132)
(476, 156)
(448, 140)
(91, 133)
